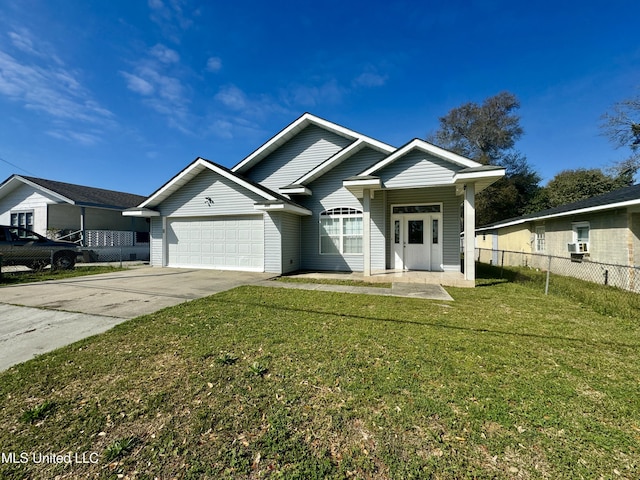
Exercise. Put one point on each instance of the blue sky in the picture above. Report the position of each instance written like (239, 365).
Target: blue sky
(124, 94)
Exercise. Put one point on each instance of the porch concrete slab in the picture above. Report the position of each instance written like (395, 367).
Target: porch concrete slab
(447, 279)
(428, 292)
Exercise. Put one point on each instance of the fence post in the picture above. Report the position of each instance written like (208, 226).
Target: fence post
(120, 257)
(53, 267)
(0, 266)
(546, 286)
(606, 277)
(502, 264)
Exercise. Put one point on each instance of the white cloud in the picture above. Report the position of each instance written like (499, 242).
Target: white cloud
(232, 97)
(22, 41)
(137, 84)
(164, 54)
(329, 92)
(50, 89)
(214, 64)
(369, 79)
(87, 139)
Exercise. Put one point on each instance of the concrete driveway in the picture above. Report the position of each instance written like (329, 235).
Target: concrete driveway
(40, 317)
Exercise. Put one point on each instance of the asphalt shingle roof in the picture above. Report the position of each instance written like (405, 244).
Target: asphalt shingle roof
(621, 195)
(89, 196)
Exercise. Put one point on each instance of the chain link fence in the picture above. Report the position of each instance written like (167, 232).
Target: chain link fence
(27, 260)
(576, 277)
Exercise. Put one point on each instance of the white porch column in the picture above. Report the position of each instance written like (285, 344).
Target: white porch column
(469, 231)
(83, 240)
(366, 233)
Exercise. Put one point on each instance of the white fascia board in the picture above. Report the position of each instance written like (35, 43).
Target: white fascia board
(18, 178)
(275, 141)
(336, 159)
(462, 177)
(295, 191)
(341, 156)
(282, 207)
(427, 148)
(172, 185)
(302, 122)
(201, 164)
(610, 206)
(141, 212)
(362, 183)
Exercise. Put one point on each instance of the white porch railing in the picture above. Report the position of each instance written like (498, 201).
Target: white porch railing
(104, 238)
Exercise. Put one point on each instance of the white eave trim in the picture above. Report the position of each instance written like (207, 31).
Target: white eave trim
(282, 207)
(140, 212)
(427, 148)
(341, 156)
(294, 191)
(201, 163)
(599, 208)
(370, 182)
(18, 178)
(466, 176)
(299, 124)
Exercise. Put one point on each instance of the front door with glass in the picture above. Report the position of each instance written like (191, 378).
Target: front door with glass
(416, 237)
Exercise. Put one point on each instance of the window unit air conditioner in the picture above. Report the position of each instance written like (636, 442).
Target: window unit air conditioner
(578, 247)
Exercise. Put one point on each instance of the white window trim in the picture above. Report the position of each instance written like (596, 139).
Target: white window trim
(357, 213)
(574, 228)
(537, 238)
(439, 204)
(22, 212)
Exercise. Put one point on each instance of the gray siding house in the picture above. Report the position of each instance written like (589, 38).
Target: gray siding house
(318, 196)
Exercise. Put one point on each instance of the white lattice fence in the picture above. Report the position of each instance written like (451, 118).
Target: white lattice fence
(109, 238)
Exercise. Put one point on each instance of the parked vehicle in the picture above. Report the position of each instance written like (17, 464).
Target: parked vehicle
(19, 246)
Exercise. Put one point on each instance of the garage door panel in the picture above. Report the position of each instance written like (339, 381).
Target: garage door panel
(216, 242)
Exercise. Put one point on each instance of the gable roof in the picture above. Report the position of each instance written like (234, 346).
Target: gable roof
(272, 200)
(299, 185)
(74, 194)
(481, 175)
(293, 129)
(417, 144)
(623, 197)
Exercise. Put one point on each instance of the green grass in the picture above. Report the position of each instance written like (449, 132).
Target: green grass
(261, 382)
(13, 278)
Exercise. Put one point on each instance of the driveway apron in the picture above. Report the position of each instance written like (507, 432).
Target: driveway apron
(64, 311)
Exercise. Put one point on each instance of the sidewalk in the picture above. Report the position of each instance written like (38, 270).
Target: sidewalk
(412, 290)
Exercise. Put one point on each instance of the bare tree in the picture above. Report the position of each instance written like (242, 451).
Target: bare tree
(487, 133)
(622, 124)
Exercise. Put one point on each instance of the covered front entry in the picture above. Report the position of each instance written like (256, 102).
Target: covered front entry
(417, 237)
(229, 243)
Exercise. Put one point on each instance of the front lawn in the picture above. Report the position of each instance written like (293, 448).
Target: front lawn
(262, 382)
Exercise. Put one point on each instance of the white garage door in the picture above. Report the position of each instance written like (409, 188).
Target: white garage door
(230, 243)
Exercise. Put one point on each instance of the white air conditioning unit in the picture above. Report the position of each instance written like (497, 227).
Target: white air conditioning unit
(578, 247)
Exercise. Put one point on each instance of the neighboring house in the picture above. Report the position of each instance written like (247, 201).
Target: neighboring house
(92, 216)
(604, 228)
(321, 197)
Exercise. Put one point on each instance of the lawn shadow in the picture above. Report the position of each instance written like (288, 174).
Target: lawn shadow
(429, 324)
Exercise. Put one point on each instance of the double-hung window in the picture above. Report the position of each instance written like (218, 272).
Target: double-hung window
(540, 240)
(22, 219)
(341, 231)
